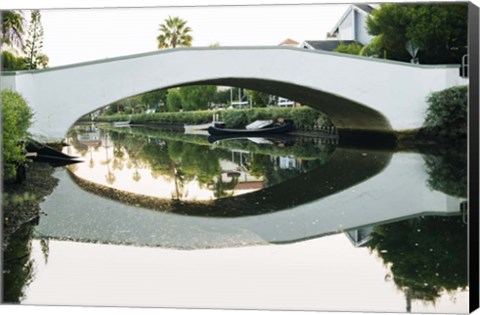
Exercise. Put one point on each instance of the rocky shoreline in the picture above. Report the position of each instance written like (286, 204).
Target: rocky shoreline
(21, 201)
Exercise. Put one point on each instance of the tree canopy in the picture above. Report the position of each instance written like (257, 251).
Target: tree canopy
(174, 32)
(439, 31)
(12, 28)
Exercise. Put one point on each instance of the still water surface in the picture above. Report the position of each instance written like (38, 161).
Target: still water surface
(157, 218)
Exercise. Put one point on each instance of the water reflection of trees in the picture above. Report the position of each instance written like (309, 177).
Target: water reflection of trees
(426, 255)
(17, 265)
(448, 171)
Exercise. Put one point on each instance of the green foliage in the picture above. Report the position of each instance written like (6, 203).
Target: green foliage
(222, 96)
(438, 30)
(12, 28)
(17, 118)
(374, 48)
(352, 49)
(154, 98)
(304, 118)
(196, 97)
(427, 255)
(259, 99)
(448, 172)
(18, 266)
(447, 113)
(235, 118)
(174, 32)
(11, 62)
(174, 100)
(34, 43)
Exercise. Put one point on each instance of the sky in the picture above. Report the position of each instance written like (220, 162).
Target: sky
(73, 35)
(76, 35)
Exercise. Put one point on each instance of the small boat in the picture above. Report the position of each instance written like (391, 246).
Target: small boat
(218, 129)
(39, 152)
(194, 128)
(125, 123)
(121, 123)
(199, 129)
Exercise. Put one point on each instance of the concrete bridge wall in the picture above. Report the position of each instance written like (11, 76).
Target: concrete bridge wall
(358, 93)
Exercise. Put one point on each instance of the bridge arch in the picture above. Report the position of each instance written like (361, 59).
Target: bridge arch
(356, 92)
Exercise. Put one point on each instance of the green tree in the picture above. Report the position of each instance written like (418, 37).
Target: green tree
(351, 49)
(153, 99)
(195, 97)
(12, 28)
(439, 31)
(34, 43)
(259, 99)
(174, 32)
(447, 112)
(174, 100)
(17, 118)
(221, 96)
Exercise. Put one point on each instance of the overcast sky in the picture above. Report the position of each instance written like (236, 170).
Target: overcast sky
(74, 35)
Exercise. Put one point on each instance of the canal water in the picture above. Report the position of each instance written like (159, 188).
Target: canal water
(162, 218)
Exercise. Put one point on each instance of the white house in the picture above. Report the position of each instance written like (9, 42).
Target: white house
(351, 28)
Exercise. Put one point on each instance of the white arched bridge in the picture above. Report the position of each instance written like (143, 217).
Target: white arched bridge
(357, 93)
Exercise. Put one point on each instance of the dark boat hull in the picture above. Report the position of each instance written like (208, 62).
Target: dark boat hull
(287, 127)
(47, 154)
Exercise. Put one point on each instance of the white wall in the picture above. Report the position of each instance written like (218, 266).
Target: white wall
(361, 33)
(59, 96)
(346, 29)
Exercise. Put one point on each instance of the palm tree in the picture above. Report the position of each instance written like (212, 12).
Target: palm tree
(12, 27)
(174, 32)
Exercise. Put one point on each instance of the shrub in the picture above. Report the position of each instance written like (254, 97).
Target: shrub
(351, 49)
(304, 118)
(16, 119)
(447, 111)
(234, 118)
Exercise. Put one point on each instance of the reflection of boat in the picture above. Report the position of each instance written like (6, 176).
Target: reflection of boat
(219, 129)
(39, 152)
(121, 123)
(263, 139)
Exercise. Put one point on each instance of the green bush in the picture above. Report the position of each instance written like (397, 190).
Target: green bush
(304, 118)
(16, 119)
(351, 49)
(234, 118)
(447, 111)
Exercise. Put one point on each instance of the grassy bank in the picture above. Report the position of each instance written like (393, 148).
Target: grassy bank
(304, 118)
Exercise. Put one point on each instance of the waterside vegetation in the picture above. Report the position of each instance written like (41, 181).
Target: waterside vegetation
(305, 118)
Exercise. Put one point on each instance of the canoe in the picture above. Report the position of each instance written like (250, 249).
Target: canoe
(121, 123)
(218, 129)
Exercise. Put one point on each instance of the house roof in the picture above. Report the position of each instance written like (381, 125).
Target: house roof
(363, 8)
(326, 45)
(288, 42)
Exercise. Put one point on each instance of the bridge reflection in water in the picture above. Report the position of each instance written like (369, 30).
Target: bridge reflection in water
(351, 189)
